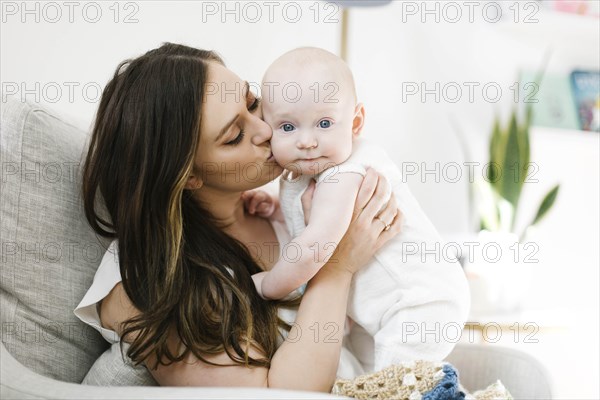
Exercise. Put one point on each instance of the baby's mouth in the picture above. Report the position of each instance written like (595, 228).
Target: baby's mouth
(271, 157)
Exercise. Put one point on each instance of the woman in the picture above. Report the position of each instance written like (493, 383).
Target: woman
(178, 138)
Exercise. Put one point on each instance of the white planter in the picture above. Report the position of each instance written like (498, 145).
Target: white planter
(499, 271)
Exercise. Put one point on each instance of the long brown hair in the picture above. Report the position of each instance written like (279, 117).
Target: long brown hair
(173, 257)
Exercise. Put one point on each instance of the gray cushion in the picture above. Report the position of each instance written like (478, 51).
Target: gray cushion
(116, 369)
(49, 253)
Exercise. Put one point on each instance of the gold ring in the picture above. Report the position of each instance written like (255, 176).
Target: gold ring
(386, 225)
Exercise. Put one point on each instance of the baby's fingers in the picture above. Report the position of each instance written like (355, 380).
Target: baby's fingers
(265, 209)
(258, 199)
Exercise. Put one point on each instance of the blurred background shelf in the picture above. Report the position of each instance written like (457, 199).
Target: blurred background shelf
(575, 135)
(547, 25)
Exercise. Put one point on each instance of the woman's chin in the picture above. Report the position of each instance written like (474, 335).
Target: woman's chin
(274, 170)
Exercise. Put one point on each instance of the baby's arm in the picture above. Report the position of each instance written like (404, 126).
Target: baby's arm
(258, 278)
(331, 212)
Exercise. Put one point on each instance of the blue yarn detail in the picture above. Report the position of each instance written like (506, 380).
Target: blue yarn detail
(447, 388)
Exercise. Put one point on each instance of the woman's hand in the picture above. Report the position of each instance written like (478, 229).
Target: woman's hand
(369, 229)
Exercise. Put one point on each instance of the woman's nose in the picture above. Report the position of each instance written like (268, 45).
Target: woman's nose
(263, 133)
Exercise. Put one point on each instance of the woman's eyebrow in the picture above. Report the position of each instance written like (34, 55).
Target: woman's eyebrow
(228, 125)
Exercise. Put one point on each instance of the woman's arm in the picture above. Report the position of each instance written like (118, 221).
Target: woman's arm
(301, 362)
(310, 360)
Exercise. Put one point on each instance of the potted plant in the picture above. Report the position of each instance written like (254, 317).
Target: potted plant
(500, 191)
(500, 272)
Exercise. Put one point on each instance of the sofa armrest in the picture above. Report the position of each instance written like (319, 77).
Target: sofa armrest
(19, 382)
(480, 365)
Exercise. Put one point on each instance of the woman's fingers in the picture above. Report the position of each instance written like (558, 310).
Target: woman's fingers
(366, 190)
(366, 234)
(377, 201)
(386, 217)
(385, 236)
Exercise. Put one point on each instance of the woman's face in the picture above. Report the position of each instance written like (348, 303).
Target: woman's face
(234, 151)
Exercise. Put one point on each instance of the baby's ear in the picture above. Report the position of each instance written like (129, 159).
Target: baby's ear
(359, 120)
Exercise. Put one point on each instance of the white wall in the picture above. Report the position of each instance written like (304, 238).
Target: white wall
(85, 52)
(390, 47)
(384, 53)
(392, 53)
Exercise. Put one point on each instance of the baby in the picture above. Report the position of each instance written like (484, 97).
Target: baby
(309, 100)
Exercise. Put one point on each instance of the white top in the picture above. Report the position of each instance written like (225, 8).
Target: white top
(364, 154)
(109, 274)
(407, 281)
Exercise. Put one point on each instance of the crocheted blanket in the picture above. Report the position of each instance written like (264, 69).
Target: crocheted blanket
(416, 380)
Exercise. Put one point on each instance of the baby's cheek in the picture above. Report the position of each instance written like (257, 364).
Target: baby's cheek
(280, 151)
(339, 151)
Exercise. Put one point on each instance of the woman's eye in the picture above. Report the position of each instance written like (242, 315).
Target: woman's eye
(254, 105)
(238, 139)
(324, 124)
(287, 127)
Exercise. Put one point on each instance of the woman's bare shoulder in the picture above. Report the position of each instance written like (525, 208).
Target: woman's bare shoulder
(193, 372)
(116, 308)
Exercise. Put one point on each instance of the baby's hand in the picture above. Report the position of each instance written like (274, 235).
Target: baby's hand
(259, 202)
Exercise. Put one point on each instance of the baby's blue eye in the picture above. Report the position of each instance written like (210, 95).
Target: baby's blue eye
(287, 127)
(324, 124)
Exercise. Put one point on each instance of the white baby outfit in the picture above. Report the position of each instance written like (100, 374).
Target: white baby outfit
(408, 305)
(109, 274)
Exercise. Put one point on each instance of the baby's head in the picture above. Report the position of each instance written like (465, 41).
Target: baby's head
(309, 100)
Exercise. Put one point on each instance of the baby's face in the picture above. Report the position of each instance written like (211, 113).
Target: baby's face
(311, 118)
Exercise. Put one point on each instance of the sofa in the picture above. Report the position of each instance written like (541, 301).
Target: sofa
(49, 257)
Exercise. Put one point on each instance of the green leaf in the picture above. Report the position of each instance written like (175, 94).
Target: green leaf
(487, 205)
(547, 203)
(511, 170)
(496, 156)
(483, 226)
(506, 213)
(524, 146)
(528, 115)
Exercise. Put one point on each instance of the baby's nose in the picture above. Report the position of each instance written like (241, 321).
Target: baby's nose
(306, 142)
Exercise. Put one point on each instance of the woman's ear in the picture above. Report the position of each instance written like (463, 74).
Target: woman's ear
(193, 183)
(359, 120)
